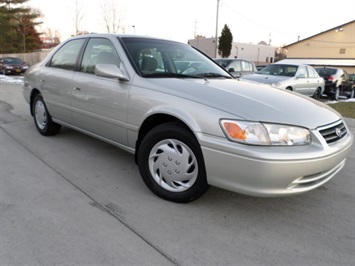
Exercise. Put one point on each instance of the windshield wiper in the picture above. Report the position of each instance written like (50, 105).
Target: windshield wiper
(168, 75)
(212, 75)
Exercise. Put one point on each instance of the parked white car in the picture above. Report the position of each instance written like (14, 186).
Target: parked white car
(189, 123)
(303, 79)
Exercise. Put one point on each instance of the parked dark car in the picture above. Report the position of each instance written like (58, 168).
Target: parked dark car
(237, 67)
(337, 82)
(12, 65)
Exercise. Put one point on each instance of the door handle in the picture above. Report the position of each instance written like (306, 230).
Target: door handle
(77, 89)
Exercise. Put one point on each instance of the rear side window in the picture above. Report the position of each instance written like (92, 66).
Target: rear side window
(247, 66)
(302, 70)
(66, 56)
(312, 73)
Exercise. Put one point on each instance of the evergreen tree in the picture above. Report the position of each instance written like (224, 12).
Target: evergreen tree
(17, 23)
(225, 42)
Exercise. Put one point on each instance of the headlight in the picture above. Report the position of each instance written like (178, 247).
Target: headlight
(277, 85)
(9, 67)
(255, 133)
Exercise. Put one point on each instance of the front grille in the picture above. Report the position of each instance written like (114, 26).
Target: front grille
(334, 132)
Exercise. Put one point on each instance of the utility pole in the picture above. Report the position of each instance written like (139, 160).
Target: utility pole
(216, 38)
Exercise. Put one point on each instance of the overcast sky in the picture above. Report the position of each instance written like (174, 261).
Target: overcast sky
(250, 21)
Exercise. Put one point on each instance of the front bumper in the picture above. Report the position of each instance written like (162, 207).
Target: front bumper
(15, 70)
(273, 171)
(329, 88)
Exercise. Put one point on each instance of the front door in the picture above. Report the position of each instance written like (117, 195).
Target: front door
(99, 104)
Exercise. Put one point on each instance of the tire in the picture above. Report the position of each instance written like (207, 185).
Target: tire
(171, 163)
(335, 95)
(316, 94)
(42, 118)
(351, 95)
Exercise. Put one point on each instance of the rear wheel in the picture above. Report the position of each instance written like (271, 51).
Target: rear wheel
(335, 95)
(316, 94)
(42, 118)
(171, 163)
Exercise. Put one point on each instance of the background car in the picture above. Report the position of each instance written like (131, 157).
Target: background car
(294, 77)
(260, 67)
(337, 82)
(352, 77)
(237, 67)
(12, 65)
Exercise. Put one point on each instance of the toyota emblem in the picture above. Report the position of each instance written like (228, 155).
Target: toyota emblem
(338, 132)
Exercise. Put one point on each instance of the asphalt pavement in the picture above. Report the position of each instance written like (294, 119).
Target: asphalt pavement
(73, 200)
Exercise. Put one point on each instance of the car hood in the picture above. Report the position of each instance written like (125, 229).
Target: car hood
(266, 78)
(249, 101)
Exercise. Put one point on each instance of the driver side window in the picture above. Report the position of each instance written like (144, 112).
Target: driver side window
(98, 51)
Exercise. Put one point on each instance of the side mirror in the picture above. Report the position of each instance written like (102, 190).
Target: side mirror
(231, 69)
(109, 71)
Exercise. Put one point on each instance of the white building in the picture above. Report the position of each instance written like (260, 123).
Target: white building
(260, 54)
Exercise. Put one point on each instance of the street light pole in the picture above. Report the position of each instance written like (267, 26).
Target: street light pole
(216, 38)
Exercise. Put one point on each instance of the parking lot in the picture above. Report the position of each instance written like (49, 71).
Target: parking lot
(74, 200)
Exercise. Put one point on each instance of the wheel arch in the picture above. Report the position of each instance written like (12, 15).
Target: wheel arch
(155, 120)
(33, 95)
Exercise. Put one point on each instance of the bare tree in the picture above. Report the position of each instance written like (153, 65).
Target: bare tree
(112, 18)
(78, 15)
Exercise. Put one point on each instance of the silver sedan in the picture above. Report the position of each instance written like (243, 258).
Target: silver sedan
(189, 123)
(294, 77)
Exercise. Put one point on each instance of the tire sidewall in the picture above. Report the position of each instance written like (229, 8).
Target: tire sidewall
(50, 128)
(172, 131)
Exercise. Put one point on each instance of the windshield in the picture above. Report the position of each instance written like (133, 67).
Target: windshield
(326, 71)
(223, 63)
(13, 61)
(279, 70)
(160, 58)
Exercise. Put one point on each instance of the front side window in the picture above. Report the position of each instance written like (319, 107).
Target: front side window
(279, 70)
(98, 51)
(66, 56)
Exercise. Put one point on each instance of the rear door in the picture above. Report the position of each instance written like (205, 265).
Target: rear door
(301, 81)
(57, 80)
(315, 81)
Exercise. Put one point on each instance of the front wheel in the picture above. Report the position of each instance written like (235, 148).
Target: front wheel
(42, 118)
(171, 163)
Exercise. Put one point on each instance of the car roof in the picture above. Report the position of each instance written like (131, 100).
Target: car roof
(285, 64)
(120, 35)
